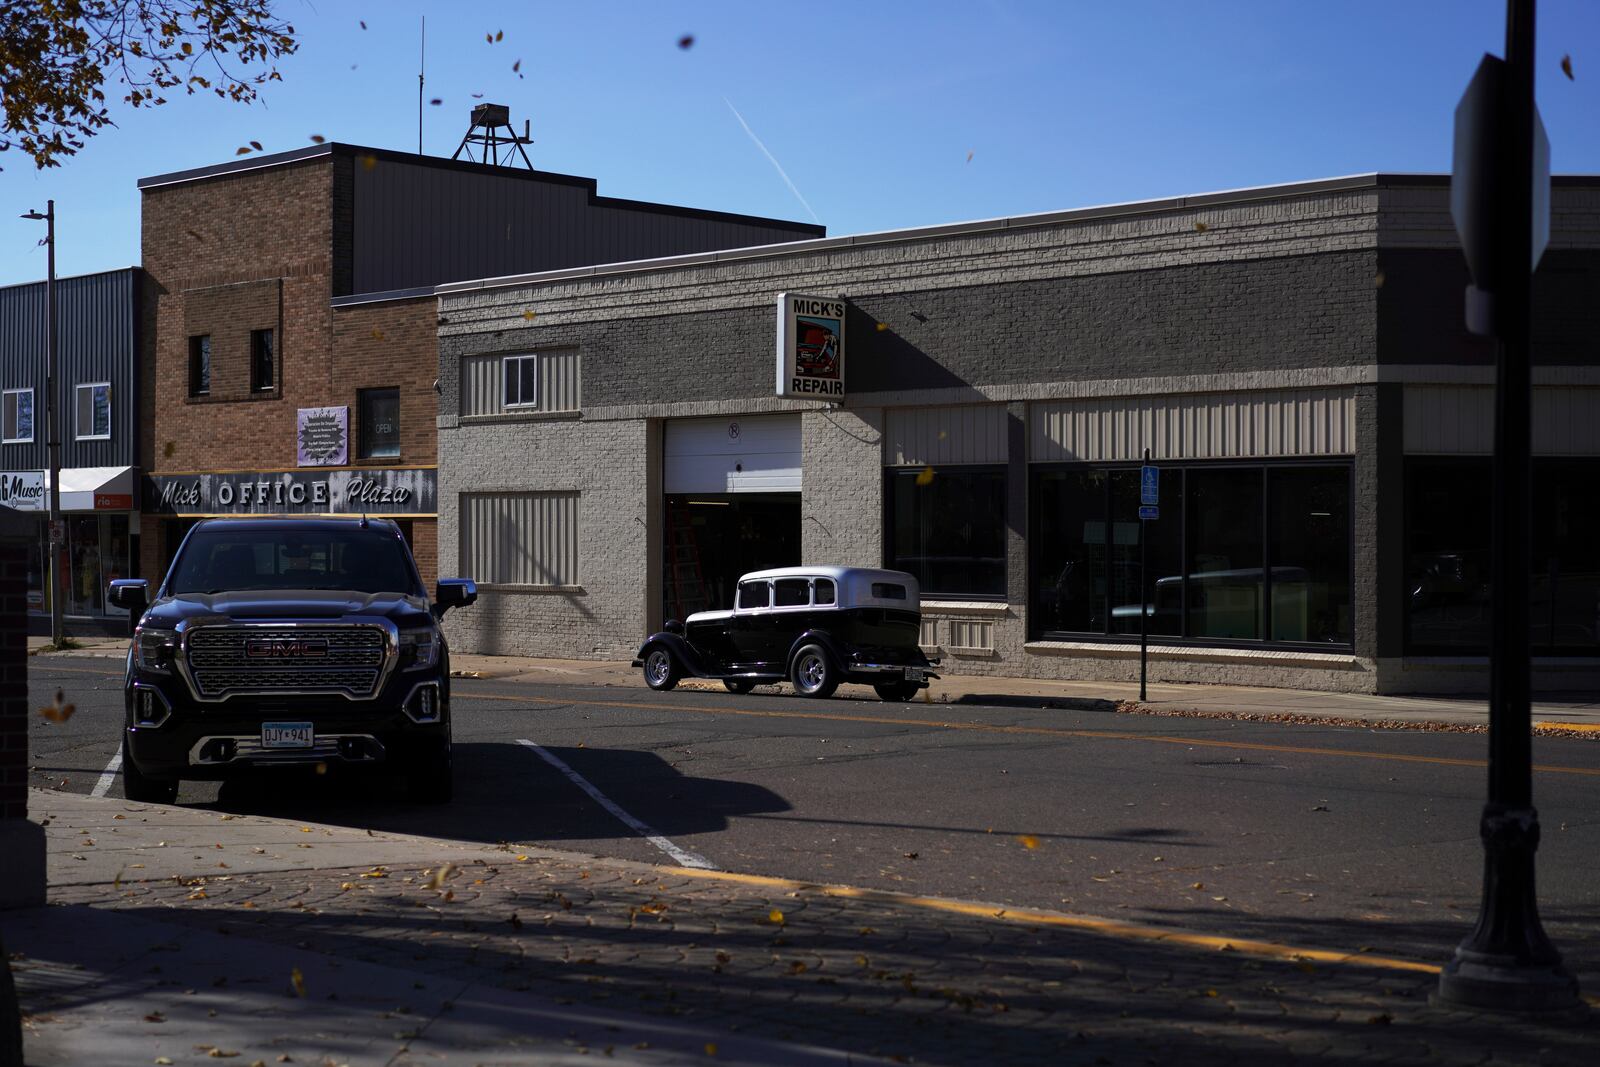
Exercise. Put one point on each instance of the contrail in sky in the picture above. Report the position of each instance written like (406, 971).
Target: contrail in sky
(772, 160)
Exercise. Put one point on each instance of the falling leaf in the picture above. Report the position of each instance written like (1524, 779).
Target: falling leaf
(530, 315)
(439, 876)
(1211, 993)
(244, 150)
(298, 982)
(59, 711)
(882, 326)
(477, 96)
(516, 66)
(775, 917)
(377, 334)
(363, 24)
(1377, 281)
(1028, 841)
(969, 157)
(256, 145)
(369, 161)
(711, 1048)
(1566, 67)
(686, 42)
(322, 768)
(1200, 227)
(925, 476)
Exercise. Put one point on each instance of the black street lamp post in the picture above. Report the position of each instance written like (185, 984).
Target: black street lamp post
(52, 426)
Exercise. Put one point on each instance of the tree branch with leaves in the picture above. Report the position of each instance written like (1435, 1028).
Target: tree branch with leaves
(56, 55)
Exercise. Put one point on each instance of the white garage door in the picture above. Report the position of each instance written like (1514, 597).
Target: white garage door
(737, 454)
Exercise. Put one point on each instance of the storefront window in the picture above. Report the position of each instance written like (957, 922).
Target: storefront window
(950, 530)
(380, 423)
(83, 565)
(1239, 553)
(1448, 541)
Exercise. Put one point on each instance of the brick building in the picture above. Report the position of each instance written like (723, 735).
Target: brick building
(290, 323)
(1293, 357)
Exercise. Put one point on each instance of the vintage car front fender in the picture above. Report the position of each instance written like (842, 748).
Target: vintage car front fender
(680, 648)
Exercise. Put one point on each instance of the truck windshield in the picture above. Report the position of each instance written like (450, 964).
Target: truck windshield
(370, 560)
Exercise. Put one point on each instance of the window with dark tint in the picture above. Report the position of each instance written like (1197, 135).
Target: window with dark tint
(521, 381)
(230, 559)
(200, 365)
(824, 594)
(1239, 553)
(380, 423)
(753, 594)
(1448, 607)
(262, 367)
(791, 592)
(950, 531)
(17, 416)
(1222, 522)
(888, 591)
(94, 411)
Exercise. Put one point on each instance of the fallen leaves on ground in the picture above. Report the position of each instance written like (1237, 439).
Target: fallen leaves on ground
(298, 982)
(1028, 841)
(775, 917)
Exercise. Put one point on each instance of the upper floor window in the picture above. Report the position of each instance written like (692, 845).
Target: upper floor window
(17, 415)
(200, 365)
(380, 423)
(94, 411)
(521, 381)
(262, 368)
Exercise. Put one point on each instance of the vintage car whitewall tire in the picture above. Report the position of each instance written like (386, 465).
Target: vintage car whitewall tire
(661, 670)
(898, 691)
(814, 674)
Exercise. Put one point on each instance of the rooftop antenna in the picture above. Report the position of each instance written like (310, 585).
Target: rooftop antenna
(422, 66)
(495, 148)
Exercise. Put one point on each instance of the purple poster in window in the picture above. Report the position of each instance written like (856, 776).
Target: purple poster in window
(322, 437)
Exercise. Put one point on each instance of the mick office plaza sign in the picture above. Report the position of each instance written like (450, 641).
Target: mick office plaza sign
(811, 346)
(378, 491)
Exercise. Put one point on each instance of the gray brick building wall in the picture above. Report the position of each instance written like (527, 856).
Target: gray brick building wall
(1250, 295)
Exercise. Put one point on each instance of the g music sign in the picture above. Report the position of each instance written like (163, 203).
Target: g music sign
(811, 346)
(22, 490)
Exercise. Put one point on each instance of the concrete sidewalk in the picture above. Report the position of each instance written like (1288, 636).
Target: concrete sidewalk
(1577, 716)
(188, 935)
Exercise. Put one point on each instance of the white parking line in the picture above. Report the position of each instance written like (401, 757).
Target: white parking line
(682, 857)
(107, 776)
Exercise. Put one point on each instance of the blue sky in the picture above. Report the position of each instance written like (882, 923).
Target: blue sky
(871, 108)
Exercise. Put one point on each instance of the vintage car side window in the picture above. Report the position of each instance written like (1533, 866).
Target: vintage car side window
(753, 594)
(824, 588)
(792, 593)
(888, 591)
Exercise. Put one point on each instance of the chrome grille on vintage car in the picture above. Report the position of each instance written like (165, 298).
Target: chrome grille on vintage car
(268, 660)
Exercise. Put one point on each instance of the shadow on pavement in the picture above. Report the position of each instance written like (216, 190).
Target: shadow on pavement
(506, 792)
(1005, 700)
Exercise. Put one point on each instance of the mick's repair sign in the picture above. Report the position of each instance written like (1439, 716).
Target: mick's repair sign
(811, 346)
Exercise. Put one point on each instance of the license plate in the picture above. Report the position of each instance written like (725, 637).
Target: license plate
(286, 735)
(916, 674)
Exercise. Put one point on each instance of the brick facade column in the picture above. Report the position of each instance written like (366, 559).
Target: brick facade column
(21, 841)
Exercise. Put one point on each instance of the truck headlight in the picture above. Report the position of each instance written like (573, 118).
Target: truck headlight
(418, 649)
(154, 649)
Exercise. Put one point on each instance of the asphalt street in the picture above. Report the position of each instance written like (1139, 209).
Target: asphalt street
(1330, 837)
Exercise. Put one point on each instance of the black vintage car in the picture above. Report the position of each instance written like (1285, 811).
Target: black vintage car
(814, 626)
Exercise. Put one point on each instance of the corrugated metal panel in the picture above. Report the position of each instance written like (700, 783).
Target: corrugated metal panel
(96, 320)
(1459, 420)
(1279, 422)
(560, 383)
(418, 224)
(520, 538)
(738, 454)
(971, 433)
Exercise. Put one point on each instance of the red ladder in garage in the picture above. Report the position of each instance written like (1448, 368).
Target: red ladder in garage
(685, 576)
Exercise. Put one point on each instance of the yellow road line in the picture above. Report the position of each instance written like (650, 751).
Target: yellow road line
(1042, 731)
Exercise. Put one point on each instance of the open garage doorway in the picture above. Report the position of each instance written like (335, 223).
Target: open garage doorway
(713, 538)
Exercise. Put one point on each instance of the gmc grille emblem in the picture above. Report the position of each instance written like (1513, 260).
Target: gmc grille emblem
(269, 648)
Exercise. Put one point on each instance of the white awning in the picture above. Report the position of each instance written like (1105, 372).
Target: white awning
(96, 488)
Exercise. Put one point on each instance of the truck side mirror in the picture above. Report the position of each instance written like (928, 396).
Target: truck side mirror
(132, 595)
(453, 593)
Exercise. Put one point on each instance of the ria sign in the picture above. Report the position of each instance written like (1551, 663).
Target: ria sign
(280, 648)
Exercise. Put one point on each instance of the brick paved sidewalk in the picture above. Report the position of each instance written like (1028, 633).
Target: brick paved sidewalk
(864, 972)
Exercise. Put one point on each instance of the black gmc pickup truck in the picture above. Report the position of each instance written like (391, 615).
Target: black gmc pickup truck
(281, 642)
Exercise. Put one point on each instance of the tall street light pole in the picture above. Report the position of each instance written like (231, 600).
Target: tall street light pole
(1500, 200)
(52, 428)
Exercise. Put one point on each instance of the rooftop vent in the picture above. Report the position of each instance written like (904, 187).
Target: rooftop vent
(495, 147)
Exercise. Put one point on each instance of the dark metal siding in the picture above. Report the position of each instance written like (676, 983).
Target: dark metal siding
(98, 342)
(418, 225)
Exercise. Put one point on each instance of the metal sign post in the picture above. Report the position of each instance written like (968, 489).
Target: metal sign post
(1501, 174)
(1149, 508)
